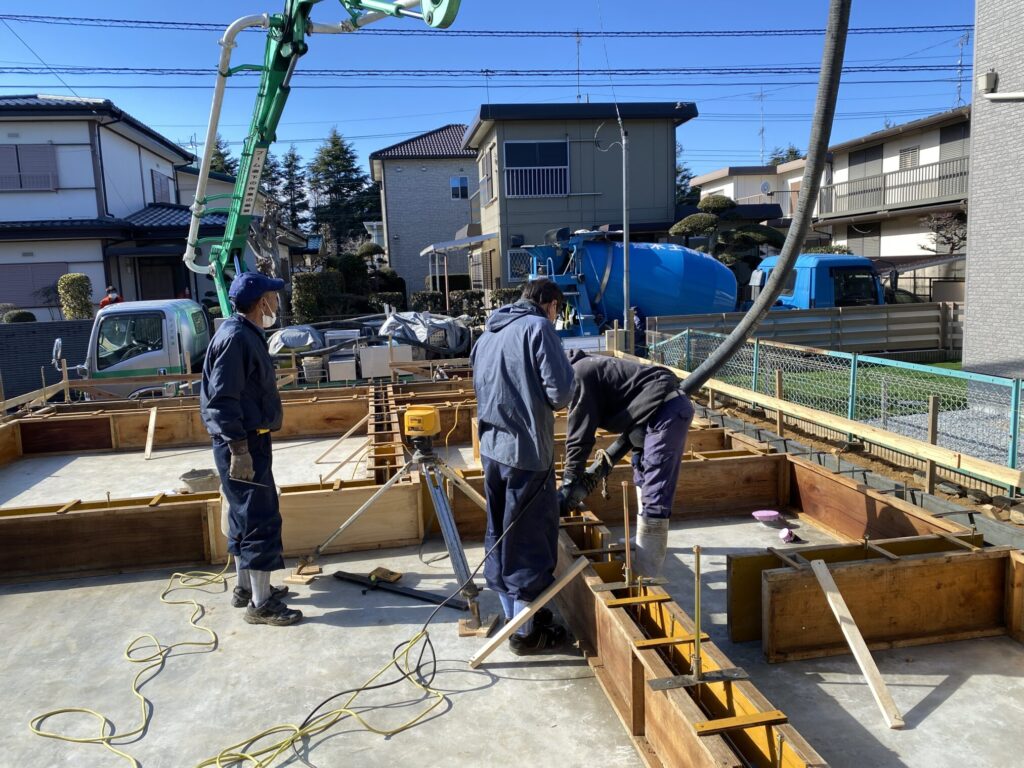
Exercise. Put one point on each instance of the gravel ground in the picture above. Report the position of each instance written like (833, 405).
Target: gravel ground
(974, 431)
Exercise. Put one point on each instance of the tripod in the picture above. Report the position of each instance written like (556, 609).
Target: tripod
(433, 470)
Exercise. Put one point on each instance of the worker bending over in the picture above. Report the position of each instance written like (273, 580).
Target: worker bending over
(645, 402)
(240, 406)
(522, 376)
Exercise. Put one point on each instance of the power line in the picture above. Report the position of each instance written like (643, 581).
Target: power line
(198, 26)
(33, 52)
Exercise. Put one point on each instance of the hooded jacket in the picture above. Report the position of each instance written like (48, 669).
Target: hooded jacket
(611, 394)
(521, 376)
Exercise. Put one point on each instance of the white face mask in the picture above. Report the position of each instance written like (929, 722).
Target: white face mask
(269, 320)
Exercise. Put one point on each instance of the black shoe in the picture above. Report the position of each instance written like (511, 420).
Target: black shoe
(543, 618)
(542, 639)
(272, 612)
(242, 597)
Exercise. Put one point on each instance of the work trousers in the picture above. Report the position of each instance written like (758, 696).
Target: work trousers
(254, 515)
(525, 504)
(656, 464)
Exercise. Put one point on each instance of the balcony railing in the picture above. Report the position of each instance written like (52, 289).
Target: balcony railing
(545, 181)
(786, 199)
(896, 189)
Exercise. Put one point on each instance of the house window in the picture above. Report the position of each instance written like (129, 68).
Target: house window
(536, 168)
(25, 284)
(910, 157)
(486, 176)
(459, 187)
(28, 167)
(163, 187)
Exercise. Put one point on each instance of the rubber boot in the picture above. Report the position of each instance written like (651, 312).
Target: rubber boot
(651, 545)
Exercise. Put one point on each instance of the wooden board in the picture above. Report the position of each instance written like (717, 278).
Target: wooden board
(10, 443)
(855, 640)
(1015, 595)
(919, 600)
(101, 540)
(842, 505)
(52, 436)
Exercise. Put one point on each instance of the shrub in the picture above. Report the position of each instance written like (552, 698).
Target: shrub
(467, 303)
(368, 250)
(6, 307)
(502, 296)
(715, 204)
(388, 281)
(19, 316)
(427, 301)
(316, 294)
(75, 291)
(696, 224)
(379, 299)
(828, 249)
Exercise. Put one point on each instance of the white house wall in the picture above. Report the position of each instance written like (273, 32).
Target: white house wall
(85, 256)
(75, 197)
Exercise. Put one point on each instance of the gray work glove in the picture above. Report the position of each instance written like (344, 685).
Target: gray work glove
(241, 461)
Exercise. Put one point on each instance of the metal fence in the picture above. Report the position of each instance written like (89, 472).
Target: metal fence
(978, 415)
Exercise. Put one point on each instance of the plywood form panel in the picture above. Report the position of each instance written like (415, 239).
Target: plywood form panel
(10, 443)
(52, 544)
(918, 600)
(52, 436)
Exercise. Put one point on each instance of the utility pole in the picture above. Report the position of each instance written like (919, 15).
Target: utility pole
(624, 137)
(760, 98)
(579, 45)
(965, 38)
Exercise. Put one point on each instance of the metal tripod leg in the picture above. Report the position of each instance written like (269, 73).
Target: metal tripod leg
(432, 471)
(358, 513)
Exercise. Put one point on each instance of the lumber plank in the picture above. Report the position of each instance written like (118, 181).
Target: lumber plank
(659, 642)
(1015, 595)
(10, 443)
(726, 724)
(918, 600)
(54, 436)
(150, 433)
(857, 645)
(625, 602)
(524, 615)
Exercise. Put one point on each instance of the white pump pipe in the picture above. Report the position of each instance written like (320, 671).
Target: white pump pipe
(227, 43)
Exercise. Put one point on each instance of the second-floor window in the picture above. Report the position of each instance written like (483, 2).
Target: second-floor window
(28, 167)
(163, 187)
(536, 168)
(460, 187)
(910, 157)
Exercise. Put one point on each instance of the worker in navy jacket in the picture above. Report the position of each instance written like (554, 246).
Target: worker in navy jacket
(240, 407)
(645, 402)
(522, 376)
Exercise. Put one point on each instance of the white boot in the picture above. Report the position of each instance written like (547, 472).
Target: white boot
(651, 545)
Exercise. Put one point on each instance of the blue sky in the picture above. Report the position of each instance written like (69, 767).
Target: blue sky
(378, 112)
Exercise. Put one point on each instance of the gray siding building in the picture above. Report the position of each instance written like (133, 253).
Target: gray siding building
(994, 320)
(425, 186)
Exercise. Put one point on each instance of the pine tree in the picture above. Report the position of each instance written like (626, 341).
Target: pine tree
(343, 197)
(780, 155)
(294, 203)
(222, 161)
(272, 178)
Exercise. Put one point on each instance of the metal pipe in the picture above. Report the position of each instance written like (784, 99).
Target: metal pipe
(696, 669)
(404, 9)
(227, 43)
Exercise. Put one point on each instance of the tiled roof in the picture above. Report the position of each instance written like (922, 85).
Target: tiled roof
(171, 215)
(65, 224)
(439, 143)
(19, 105)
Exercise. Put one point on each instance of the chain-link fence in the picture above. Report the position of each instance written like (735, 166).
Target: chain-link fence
(978, 415)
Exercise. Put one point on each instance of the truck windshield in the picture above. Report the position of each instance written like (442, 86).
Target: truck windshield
(124, 336)
(854, 287)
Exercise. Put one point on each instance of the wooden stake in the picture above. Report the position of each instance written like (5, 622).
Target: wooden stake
(780, 420)
(933, 438)
(150, 433)
(64, 379)
(521, 618)
(857, 645)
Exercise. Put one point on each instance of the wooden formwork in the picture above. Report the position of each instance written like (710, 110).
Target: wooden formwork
(723, 724)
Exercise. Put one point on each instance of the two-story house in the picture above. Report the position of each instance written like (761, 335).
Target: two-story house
(86, 187)
(876, 192)
(547, 166)
(425, 187)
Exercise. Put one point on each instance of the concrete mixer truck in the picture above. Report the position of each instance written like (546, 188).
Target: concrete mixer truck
(670, 279)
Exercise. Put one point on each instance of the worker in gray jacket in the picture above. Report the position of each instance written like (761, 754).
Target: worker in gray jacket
(522, 376)
(645, 402)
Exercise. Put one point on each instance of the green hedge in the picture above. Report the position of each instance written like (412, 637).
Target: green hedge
(427, 301)
(466, 303)
(502, 296)
(394, 298)
(321, 295)
(75, 291)
(19, 316)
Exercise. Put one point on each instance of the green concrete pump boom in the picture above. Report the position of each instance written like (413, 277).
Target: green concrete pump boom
(286, 43)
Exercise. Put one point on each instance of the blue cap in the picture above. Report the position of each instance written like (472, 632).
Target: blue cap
(247, 287)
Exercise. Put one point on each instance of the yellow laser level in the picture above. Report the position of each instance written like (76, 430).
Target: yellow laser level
(422, 421)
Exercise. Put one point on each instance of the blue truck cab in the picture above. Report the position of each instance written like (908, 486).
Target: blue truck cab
(823, 280)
